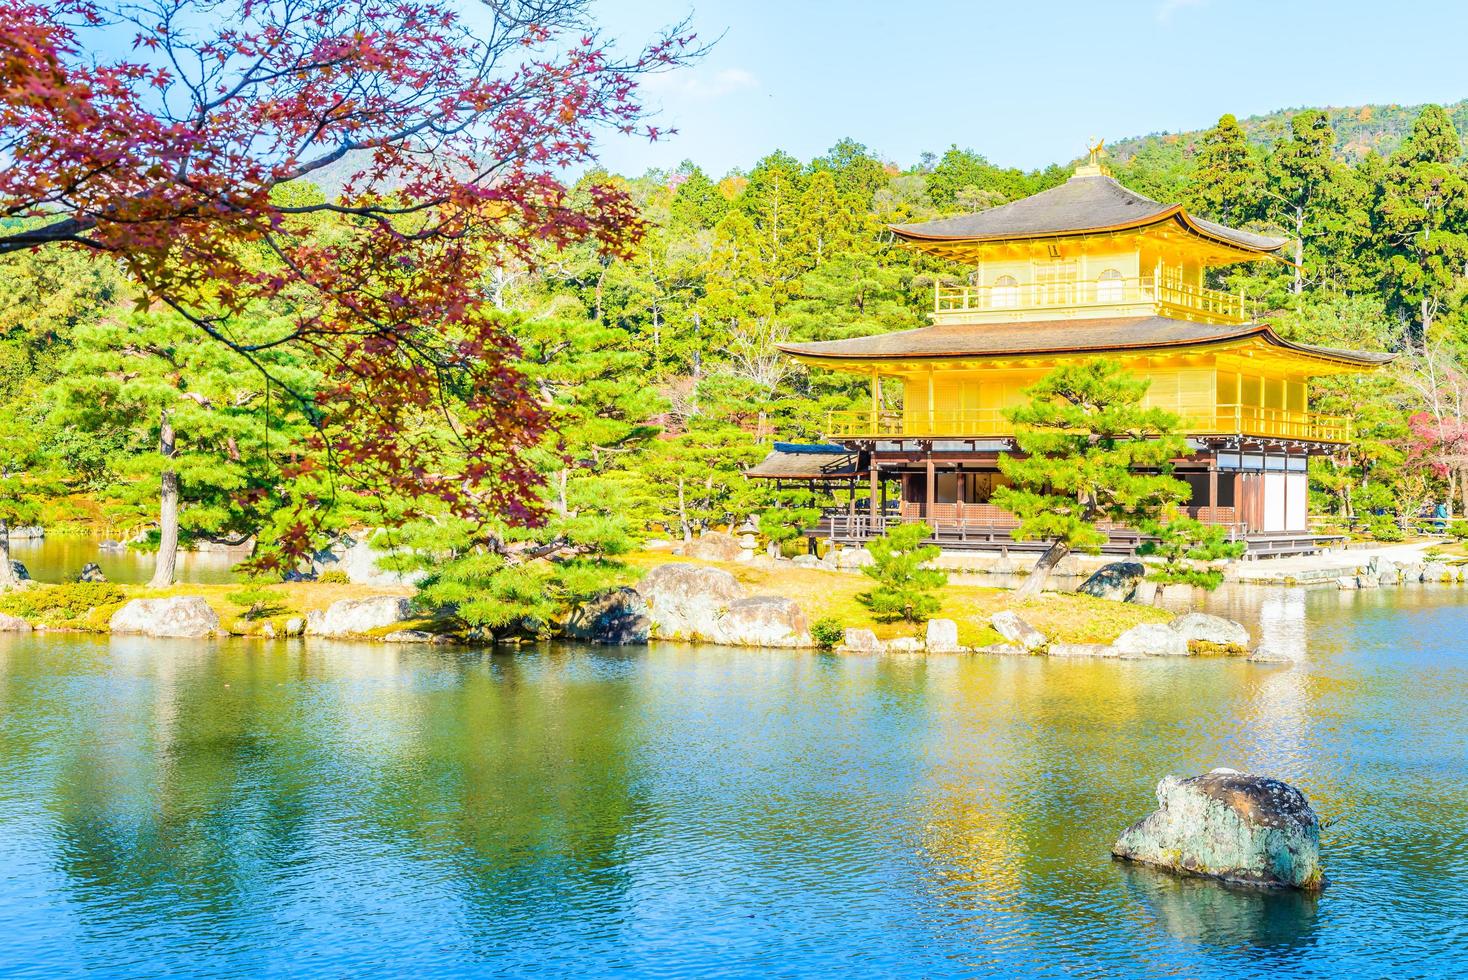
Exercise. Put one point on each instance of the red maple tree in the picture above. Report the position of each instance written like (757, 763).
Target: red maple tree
(453, 129)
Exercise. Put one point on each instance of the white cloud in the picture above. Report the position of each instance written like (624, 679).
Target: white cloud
(1166, 8)
(694, 84)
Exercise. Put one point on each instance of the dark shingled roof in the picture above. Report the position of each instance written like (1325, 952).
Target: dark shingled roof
(792, 461)
(1059, 336)
(1081, 204)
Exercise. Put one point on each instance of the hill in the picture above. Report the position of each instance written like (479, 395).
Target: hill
(1359, 130)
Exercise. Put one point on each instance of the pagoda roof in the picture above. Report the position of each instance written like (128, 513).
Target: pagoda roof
(794, 461)
(1046, 337)
(1084, 204)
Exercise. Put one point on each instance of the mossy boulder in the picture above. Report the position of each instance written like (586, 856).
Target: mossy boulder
(1233, 826)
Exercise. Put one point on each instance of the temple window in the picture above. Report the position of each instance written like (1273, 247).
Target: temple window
(1005, 292)
(1109, 287)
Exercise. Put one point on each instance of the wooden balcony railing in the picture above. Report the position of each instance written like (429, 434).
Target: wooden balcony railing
(1169, 297)
(1244, 420)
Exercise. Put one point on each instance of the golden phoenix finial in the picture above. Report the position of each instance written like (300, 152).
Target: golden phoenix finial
(1097, 146)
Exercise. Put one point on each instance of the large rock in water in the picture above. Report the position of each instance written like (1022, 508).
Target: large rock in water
(91, 572)
(686, 601)
(19, 570)
(181, 616)
(1117, 581)
(763, 621)
(618, 618)
(713, 546)
(1232, 826)
(348, 617)
(1212, 632)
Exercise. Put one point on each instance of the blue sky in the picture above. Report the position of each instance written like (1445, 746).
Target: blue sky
(1025, 81)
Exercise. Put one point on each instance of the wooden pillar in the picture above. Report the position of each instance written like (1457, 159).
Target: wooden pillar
(1213, 491)
(876, 401)
(872, 482)
(930, 494)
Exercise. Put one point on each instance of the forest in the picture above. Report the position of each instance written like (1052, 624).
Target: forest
(650, 369)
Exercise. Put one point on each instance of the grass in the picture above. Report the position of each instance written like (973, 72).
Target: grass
(295, 599)
(1065, 617)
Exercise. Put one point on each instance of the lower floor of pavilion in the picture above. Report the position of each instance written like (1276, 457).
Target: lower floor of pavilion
(1255, 489)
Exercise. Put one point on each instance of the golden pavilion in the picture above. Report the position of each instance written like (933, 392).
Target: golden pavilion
(1083, 270)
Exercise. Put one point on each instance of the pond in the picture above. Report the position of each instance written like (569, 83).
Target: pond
(240, 809)
(61, 559)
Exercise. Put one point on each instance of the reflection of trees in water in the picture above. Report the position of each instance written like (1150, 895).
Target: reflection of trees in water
(1196, 910)
(250, 777)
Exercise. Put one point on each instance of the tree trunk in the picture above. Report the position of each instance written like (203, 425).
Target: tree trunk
(683, 513)
(1299, 284)
(163, 571)
(8, 578)
(1040, 574)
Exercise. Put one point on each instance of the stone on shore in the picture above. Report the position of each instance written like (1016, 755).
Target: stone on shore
(1081, 650)
(713, 546)
(685, 601)
(1003, 650)
(13, 624)
(616, 618)
(854, 558)
(860, 641)
(1151, 640)
(942, 636)
(91, 572)
(19, 570)
(1007, 623)
(295, 626)
(1233, 826)
(1212, 631)
(415, 636)
(1117, 581)
(1346, 582)
(904, 644)
(174, 616)
(763, 621)
(350, 617)
(807, 561)
(1438, 571)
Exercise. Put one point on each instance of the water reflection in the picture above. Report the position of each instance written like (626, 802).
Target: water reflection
(242, 808)
(61, 559)
(1204, 912)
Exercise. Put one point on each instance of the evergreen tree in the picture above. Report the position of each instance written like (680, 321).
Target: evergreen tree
(1188, 549)
(1226, 180)
(1299, 176)
(1422, 214)
(1092, 453)
(905, 585)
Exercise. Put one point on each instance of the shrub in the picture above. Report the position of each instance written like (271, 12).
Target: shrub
(904, 587)
(56, 605)
(1458, 530)
(827, 632)
(1385, 528)
(333, 576)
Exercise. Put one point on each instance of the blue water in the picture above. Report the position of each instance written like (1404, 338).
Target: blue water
(245, 809)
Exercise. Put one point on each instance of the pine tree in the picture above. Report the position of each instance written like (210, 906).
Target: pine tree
(1188, 548)
(1226, 180)
(1423, 216)
(1299, 176)
(905, 586)
(1092, 453)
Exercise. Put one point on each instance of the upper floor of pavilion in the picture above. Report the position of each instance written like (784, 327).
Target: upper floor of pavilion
(1089, 248)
